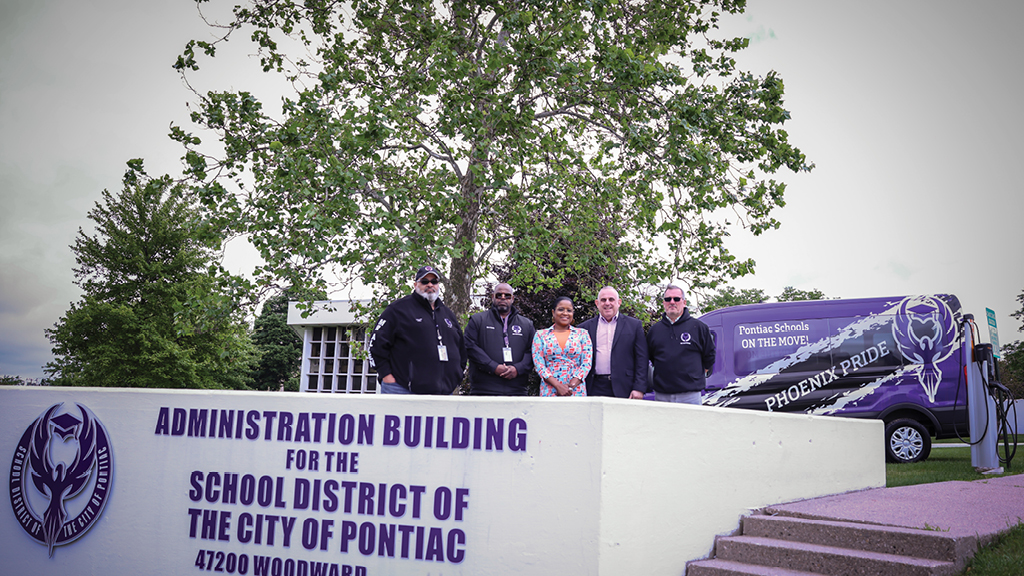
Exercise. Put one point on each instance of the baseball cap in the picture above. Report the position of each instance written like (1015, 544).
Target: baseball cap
(426, 270)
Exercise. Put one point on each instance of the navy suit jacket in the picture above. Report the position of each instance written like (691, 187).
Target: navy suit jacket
(629, 355)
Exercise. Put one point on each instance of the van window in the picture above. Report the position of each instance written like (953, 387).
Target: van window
(760, 346)
(870, 347)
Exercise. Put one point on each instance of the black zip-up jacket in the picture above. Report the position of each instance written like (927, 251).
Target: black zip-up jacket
(485, 339)
(680, 353)
(404, 344)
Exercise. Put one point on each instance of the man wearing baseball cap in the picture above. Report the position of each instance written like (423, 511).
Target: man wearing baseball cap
(417, 345)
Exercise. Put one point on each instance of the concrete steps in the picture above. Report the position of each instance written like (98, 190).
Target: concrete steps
(802, 547)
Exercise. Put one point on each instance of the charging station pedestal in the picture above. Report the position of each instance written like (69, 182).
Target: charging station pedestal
(982, 408)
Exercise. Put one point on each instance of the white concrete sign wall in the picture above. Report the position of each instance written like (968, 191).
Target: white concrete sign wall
(174, 482)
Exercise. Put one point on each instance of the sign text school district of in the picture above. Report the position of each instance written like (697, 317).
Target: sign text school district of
(160, 482)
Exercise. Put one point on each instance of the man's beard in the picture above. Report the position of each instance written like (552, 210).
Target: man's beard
(430, 296)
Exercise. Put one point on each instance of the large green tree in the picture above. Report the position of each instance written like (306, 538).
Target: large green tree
(155, 311)
(439, 131)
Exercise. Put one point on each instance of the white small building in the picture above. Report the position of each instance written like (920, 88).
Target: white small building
(334, 357)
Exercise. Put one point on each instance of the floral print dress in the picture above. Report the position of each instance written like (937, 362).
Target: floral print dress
(564, 364)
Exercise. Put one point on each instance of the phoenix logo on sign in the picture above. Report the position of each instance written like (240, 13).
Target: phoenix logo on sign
(61, 475)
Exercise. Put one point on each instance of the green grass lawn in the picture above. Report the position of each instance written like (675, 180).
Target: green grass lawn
(1005, 556)
(942, 465)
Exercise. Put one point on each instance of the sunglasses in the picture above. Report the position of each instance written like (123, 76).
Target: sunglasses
(434, 281)
(502, 296)
(672, 298)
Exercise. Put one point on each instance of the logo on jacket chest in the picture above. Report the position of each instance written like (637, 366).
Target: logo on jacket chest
(449, 323)
(517, 330)
(684, 338)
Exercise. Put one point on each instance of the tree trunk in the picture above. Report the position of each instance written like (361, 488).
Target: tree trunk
(461, 275)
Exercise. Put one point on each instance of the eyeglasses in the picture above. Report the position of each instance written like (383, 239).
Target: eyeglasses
(672, 298)
(502, 296)
(434, 281)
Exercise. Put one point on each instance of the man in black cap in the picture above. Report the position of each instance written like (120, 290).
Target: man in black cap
(417, 345)
(499, 344)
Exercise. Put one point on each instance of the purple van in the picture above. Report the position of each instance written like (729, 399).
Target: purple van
(894, 359)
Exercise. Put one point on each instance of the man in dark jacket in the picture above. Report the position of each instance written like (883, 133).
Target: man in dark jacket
(682, 351)
(417, 345)
(620, 350)
(498, 342)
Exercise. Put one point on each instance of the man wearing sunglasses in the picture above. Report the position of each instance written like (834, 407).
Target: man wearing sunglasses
(417, 345)
(498, 342)
(682, 351)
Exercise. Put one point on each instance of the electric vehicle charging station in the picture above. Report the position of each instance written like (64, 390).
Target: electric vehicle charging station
(982, 406)
(986, 397)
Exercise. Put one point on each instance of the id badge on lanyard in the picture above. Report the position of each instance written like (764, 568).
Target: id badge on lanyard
(506, 351)
(442, 350)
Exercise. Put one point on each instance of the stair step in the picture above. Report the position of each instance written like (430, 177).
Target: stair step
(821, 559)
(868, 537)
(718, 567)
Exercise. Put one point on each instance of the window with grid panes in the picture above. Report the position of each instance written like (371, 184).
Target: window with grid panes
(334, 363)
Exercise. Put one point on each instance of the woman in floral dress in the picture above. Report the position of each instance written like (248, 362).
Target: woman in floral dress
(562, 354)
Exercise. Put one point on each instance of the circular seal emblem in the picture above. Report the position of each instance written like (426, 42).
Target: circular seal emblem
(61, 475)
(684, 338)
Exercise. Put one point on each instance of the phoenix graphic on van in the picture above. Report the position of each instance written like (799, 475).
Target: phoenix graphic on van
(925, 332)
(887, 358)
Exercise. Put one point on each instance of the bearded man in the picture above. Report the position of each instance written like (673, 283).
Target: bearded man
(499, 343)
(417, 345)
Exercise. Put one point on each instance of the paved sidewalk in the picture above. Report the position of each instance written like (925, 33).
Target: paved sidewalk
(981, 509)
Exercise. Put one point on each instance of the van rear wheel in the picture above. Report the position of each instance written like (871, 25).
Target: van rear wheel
(906, 440)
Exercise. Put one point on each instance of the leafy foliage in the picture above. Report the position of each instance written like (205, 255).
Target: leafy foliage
(443, 132)
(154, 312)
(729, 296)
(1011, 365)
(279, 348)
(791, 294)
(1011, 368)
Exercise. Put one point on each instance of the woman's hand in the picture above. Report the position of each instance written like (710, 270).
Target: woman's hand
(561, 388)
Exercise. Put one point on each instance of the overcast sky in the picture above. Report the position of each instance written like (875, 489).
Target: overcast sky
(909, 110)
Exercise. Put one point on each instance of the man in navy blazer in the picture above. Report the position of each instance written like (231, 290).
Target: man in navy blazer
(620, 350)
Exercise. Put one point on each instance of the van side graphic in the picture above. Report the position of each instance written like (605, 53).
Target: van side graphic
(887, 358)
